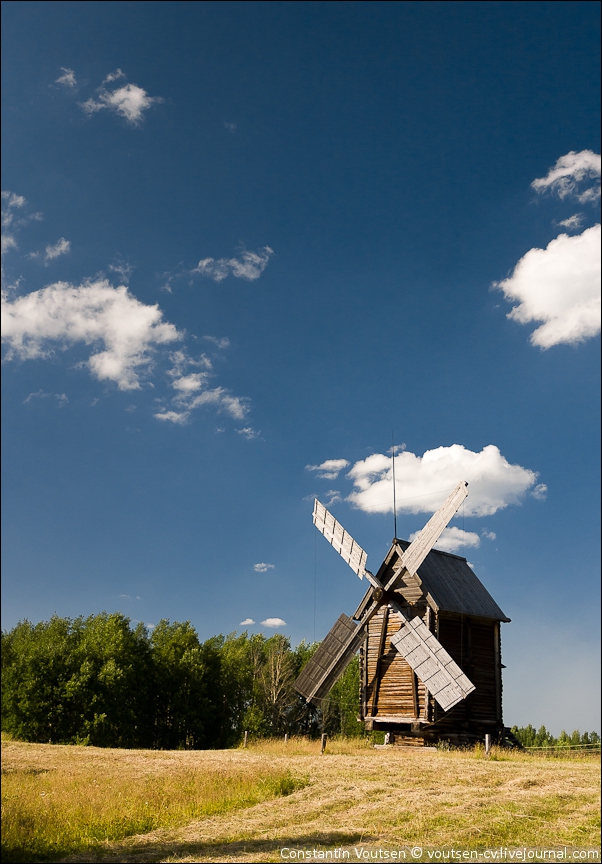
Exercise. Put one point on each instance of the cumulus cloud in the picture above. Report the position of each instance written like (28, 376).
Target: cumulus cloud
(67, 78)
(423, 482)
(274, 622)
(246, 622)
(263, 568)
(61, 247)
(453, 539)
(540, 492)
(250, 265)
(130, 101)
(94, 313)
(489, 535)
(569, 172)
(559, 285)
(330, 469)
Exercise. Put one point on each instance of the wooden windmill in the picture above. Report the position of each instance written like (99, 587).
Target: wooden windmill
(428, 632)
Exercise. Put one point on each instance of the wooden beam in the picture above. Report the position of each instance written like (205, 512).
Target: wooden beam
(381, 648)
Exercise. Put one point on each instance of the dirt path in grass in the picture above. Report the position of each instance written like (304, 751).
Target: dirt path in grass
(389, 800)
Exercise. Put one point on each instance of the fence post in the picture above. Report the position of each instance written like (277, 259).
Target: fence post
(323, 745)
(286, 737)
(487, 744)
(246, 739)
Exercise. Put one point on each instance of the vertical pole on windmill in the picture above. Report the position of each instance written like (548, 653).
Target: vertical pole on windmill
(323, 744)
(246, 739)
(487, 744)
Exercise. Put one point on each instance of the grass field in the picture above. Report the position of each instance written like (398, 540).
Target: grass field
(91, 804)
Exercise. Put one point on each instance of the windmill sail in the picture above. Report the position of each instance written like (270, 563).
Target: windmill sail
(432, 664)
(420, 547)
(330, 659)
(343, 542)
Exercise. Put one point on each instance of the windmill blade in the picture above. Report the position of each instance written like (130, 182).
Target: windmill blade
(420, 547)
(330, 659)
(343, 542)
(439, 673)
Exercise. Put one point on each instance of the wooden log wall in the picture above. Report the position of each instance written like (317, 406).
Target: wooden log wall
(475, 646)
(398, 693)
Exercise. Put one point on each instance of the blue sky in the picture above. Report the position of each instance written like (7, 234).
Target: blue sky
(246, 240)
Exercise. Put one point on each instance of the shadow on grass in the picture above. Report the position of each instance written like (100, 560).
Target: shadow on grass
(159, 850)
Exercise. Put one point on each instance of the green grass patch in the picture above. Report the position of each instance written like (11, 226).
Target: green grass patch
(51, 814)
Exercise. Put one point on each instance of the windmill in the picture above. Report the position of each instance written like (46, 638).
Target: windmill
(405, 663)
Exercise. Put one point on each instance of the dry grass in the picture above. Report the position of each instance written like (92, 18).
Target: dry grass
(354, 795)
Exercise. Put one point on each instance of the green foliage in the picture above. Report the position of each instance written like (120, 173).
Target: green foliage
(99, 681)
(541, 738)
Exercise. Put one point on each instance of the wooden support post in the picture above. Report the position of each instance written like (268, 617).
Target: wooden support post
(487, 744)
(323, 743)
(286, 738)
(381, 648)
(246, 739)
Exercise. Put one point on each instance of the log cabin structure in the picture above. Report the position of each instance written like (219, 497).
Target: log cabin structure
(428, 634)
(458, 610)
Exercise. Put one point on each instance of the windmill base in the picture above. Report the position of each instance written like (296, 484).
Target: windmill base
(417, 734)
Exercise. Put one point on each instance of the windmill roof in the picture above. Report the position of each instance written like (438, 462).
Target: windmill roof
(451, 585)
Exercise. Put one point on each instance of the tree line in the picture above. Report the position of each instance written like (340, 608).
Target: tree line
(100, 681)
(541, 738)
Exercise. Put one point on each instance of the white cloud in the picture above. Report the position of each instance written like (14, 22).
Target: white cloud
(248, 432)
(568, 172)
(540, 492)
(123, 270)
(423, 482)
(8, 242)
(93, 313)
(61, 398)
(452, 539)
(39, 394)
(274, 622)
(231, 127)
(11, 201)
(173, 416)
(61, 247)
(573, 223)
(224, 342)
(130, 100)
(249, 266)
(559, 285)
(114, 76)
(489, 535)
(235, 406)
(333, 496)
(330, 469)
(190, 383)
(67, 78)
(246, 622)
(263, 568)
(192, 392)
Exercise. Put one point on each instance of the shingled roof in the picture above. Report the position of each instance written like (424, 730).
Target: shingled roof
(450, 585)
